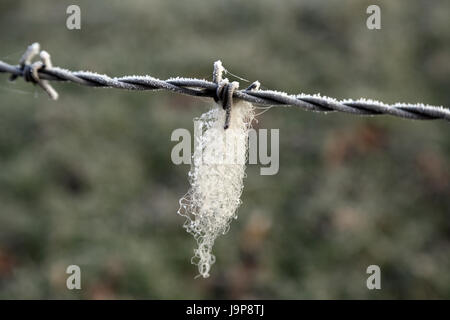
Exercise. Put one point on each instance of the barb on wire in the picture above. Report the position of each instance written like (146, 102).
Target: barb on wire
(41, 72)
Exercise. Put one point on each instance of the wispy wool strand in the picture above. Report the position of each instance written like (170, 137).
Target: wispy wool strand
(216, 178)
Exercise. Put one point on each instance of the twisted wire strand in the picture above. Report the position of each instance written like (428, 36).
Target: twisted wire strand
(41, 72)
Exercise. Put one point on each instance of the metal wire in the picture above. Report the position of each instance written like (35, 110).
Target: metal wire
(42, 71)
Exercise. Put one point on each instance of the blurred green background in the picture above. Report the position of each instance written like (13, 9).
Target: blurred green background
(88, 179)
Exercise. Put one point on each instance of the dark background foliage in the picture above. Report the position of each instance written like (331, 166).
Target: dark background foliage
(88, 179)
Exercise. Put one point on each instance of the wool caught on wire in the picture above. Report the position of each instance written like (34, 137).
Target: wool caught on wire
(218, 165)
(216, 178)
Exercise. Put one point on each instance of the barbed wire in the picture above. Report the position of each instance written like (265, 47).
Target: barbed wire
(42, 71)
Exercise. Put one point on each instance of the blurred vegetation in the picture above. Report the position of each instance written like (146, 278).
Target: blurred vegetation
(88, 179)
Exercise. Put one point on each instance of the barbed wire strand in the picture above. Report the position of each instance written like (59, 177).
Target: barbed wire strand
(42, 71)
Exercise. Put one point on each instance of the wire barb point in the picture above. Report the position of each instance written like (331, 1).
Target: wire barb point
(29, 70)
